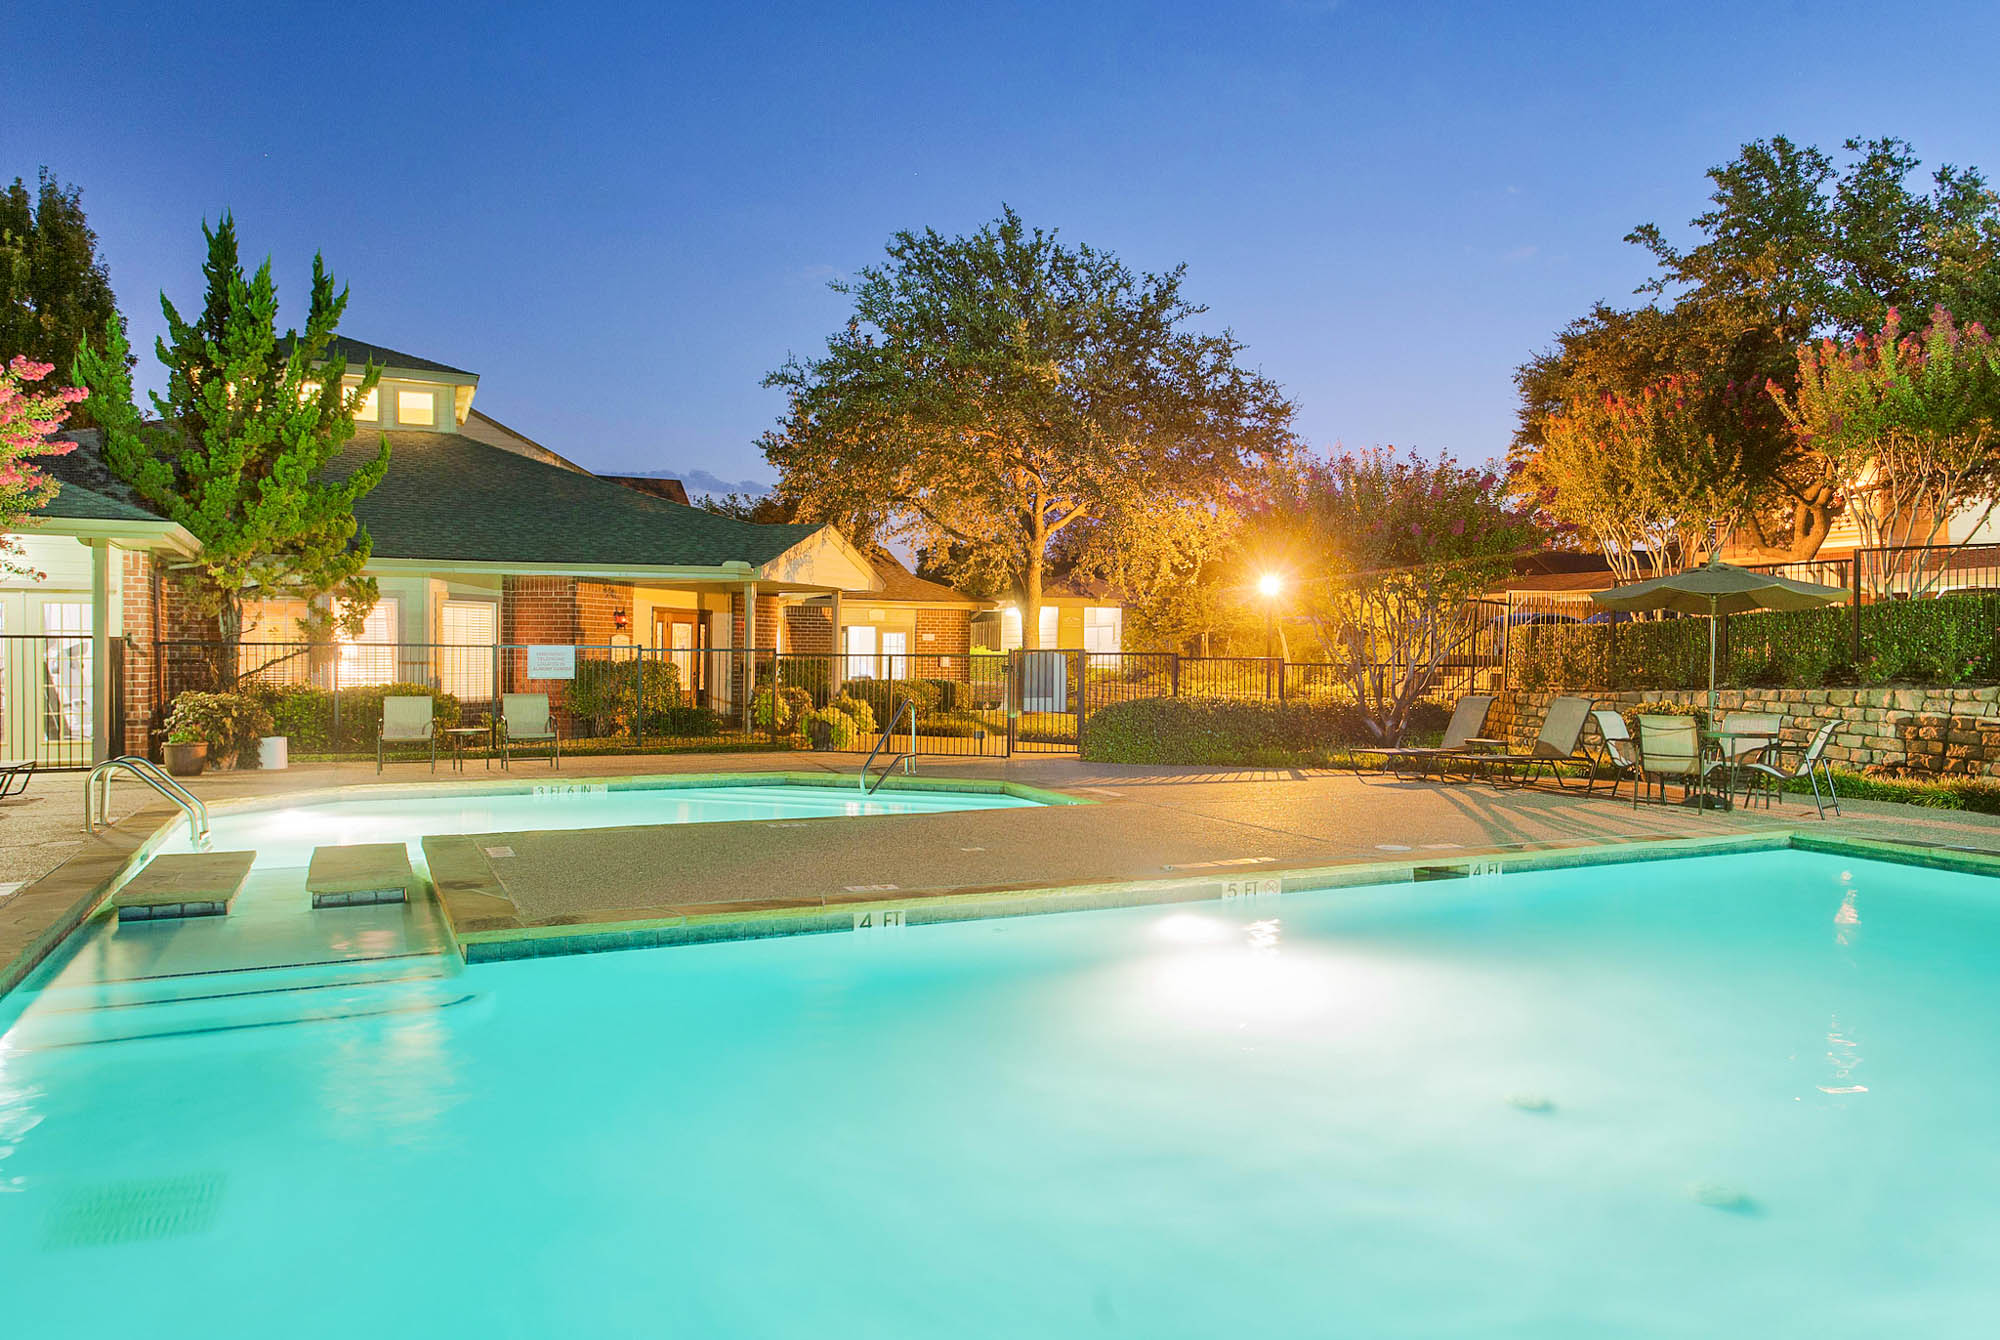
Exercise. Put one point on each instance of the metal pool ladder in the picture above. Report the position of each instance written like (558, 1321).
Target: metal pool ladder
(99, 784)
(908, 760)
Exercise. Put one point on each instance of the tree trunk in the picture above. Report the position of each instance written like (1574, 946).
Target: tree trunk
(1031, 591)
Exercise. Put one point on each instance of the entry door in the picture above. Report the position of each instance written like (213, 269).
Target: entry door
(46, 682)
(895, 656)
(860, 649)
(678, 631)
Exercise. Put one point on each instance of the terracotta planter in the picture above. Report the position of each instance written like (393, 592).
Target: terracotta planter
(187, 760)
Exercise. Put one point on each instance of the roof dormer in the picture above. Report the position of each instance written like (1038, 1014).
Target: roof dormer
(414, 394)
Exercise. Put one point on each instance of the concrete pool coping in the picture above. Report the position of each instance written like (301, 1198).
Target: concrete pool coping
(485, 925)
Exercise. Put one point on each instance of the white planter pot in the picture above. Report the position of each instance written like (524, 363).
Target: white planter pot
(273, 752)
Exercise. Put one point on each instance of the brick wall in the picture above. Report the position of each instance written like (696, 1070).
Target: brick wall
(142, 686)
(1937, 732)
(597, 607)
(539, 610)
(809, 630)
(944, 641)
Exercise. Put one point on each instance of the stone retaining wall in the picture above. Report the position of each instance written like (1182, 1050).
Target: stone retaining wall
(1942, 732)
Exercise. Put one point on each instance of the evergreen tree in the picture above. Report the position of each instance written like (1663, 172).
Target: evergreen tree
(246, 448)
(54, 292)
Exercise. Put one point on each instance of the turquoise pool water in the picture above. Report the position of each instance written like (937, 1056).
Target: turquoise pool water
(1747, 1095)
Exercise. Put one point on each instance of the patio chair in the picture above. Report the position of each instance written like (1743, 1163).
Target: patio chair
(1561, 733)
(405, 720)
(1616, 751)
(15, 774)
(1467, 720)
(1743, 739)
(1669, 750)
(1811, 766)
(525, 719)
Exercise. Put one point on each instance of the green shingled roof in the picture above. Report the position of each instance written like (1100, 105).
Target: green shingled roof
(357, 352)
(74, 502)
(449, 498)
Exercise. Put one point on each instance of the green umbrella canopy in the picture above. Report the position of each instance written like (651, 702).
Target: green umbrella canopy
(1720, 588)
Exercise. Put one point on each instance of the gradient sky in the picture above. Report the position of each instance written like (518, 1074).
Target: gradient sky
(623, 216)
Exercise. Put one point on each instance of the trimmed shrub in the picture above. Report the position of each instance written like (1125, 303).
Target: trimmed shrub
(810, 673)
(883, 696)
(605, 694)
(831, 728)
(1215, 731)
(857, 710)
(228, 723)
(778, 711)
(684, 723)
(306, 716)
(1980, 795)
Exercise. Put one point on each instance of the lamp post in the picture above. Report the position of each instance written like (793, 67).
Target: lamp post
(1268, 586)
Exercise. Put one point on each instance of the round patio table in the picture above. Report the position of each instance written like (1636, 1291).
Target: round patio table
(1735, 749)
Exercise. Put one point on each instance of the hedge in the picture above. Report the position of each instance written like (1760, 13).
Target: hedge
(1216, 731)
(1943, 640)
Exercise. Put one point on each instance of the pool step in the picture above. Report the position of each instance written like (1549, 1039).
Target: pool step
(360, 874)
(184, 884)
(166, 1007)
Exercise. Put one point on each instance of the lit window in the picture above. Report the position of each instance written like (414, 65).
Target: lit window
(370, 657)
(416, 407)
(1102, 626)
(370, 407)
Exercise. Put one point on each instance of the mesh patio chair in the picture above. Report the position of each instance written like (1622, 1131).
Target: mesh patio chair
(1562, 731)
(1810, 766)
(1467, 720)
(1616, 751)
(1669, 750)
(405, 720)
(525, 719)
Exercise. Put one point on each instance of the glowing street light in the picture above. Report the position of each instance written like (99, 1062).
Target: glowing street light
(1268, 586)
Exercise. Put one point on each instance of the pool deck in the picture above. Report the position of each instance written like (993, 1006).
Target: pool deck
(1148, 834)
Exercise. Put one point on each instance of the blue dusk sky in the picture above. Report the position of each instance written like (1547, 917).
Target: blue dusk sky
(622, 217)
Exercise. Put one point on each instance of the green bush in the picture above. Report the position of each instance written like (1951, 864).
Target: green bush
(831, 728)
(603, 696)
(1979, 795)
(884, 696)
(1948, 640)
(778, 711)
(228, 723)
(306, 716)
(1216, 731)
(858, 711)
(684, 723)
(810, 673)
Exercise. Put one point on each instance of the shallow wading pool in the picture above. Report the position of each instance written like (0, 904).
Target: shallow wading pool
(1737, 1095)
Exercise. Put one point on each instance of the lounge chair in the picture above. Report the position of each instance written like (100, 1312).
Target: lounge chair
(1467, 720)
(1669, 750)
(1561, 733)
(525, 719)
(15, 774)
(1616, 751)
(1811, 765)
(1744, 738)
(406, 720)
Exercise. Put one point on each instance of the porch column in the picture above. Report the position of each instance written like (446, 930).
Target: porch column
(749, 648)
(839, 661)
(100, 652)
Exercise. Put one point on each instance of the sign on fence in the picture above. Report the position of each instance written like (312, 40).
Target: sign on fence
(551, 662)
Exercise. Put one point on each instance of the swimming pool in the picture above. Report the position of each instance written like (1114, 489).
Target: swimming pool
(286, 836)
(1737, 1095)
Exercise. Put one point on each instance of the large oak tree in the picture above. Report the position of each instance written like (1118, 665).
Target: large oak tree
(992, 391)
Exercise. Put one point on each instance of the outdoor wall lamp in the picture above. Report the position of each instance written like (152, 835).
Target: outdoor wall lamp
(620, 620)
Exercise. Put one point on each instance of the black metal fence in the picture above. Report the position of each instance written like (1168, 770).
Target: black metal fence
(327, 697)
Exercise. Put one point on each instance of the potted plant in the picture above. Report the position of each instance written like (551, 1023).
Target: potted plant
(186, 751)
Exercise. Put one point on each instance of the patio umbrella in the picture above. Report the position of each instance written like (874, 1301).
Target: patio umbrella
(1715, 590)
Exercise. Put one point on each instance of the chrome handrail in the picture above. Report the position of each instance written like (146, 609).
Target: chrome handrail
(148, 772)
(909, 709)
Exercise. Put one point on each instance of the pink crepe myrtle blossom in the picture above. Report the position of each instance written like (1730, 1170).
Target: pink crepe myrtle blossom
(30, 417)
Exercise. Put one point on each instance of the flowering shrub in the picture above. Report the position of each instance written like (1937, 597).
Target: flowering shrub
(29, 417)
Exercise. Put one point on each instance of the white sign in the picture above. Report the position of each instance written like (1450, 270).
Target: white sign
(552, 663)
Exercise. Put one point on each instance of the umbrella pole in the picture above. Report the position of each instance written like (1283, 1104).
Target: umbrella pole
(1711, 662)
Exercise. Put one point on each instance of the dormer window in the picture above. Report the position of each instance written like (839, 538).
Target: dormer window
(370, 407)
(416, 408)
